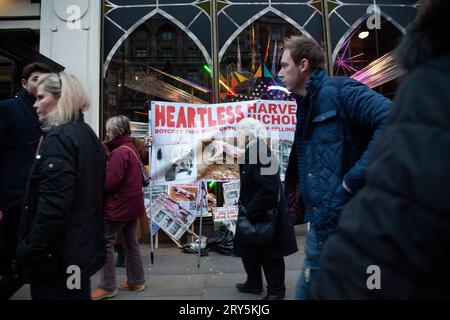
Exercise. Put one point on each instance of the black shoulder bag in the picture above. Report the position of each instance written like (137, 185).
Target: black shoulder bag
(260, 233)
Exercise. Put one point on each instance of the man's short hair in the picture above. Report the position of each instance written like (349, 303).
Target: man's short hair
(302, 47)
(35, 67)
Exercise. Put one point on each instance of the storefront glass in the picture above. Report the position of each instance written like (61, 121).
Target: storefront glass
(162, 50)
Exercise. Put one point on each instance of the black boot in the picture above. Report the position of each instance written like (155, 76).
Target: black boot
(120, 261)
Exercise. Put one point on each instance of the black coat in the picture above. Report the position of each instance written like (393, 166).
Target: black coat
(19, 128)
(401, 220)
(259, 193)
(62, 221)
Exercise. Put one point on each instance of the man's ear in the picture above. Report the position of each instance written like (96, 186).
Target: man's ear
(24, 83)
(304, 66)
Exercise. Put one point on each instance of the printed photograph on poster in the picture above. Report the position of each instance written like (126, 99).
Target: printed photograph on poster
(166, 222)
(226, 216)
(175, 229)
(207, 198)
(177, 211)
(219, 159)
(183, 193)
(175, 163)
(231, 193)
(148, 207)
(157, 190)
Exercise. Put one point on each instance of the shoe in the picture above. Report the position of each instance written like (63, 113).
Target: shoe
(100, 294)
(120, 263)
(274, 297)
(242, 287)
(125, 286)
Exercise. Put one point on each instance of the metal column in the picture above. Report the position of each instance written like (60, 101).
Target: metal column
(326, 36)
(215, 52)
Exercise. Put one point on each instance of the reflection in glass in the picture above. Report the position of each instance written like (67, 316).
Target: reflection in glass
(250, 65)
(158, 61)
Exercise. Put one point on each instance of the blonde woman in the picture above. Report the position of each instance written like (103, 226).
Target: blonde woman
(124, 205)
(62, 223)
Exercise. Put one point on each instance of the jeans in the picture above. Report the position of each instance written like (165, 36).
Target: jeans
(61, 292)
(313, 251)
(133, 260)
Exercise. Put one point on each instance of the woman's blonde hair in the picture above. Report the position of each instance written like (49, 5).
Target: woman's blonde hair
(116, 127)
(72, 99)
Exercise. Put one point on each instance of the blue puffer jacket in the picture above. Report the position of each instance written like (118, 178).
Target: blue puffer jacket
(337, 123)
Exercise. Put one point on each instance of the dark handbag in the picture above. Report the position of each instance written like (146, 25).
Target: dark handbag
(259, 233)
(144, 172)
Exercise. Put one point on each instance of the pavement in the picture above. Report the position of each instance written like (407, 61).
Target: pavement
(175, 276)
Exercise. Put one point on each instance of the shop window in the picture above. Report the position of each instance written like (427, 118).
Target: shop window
(250, 74)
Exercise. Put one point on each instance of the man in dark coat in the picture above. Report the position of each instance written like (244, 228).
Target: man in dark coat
(338, 120)
(61, 240)
(393, 239)
(19, 129)
(260, 191)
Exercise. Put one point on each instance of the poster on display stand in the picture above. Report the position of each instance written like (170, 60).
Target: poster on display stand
(226, 216)
(197, 142)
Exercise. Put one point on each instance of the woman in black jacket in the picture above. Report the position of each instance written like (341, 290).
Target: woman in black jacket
(393, 238)
(261, 190)
(62, 239)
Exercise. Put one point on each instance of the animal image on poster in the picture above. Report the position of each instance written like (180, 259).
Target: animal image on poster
(175, 163)
(183, 193)
(219, 159)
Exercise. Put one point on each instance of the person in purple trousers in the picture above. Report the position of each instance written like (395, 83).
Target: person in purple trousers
(124, 205)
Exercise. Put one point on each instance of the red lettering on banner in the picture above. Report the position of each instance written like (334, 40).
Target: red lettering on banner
(282, 108)
(191, 117)
(251, 108)
(265, 119)
(272, 108)
(292, 108)
(221, 116)
(211, 121)
(275, 119)
(286, 119)
(262, 108)
(230, 115)
(181, 121)
(201, 112)
(159, 116)
(170, 116)
(240, 114)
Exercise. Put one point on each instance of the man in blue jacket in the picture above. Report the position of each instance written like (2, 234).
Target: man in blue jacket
(19, 133)
(338, 120)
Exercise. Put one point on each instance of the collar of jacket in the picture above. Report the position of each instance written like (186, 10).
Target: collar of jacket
(117, 142)
(312, 86)
(27, 97)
